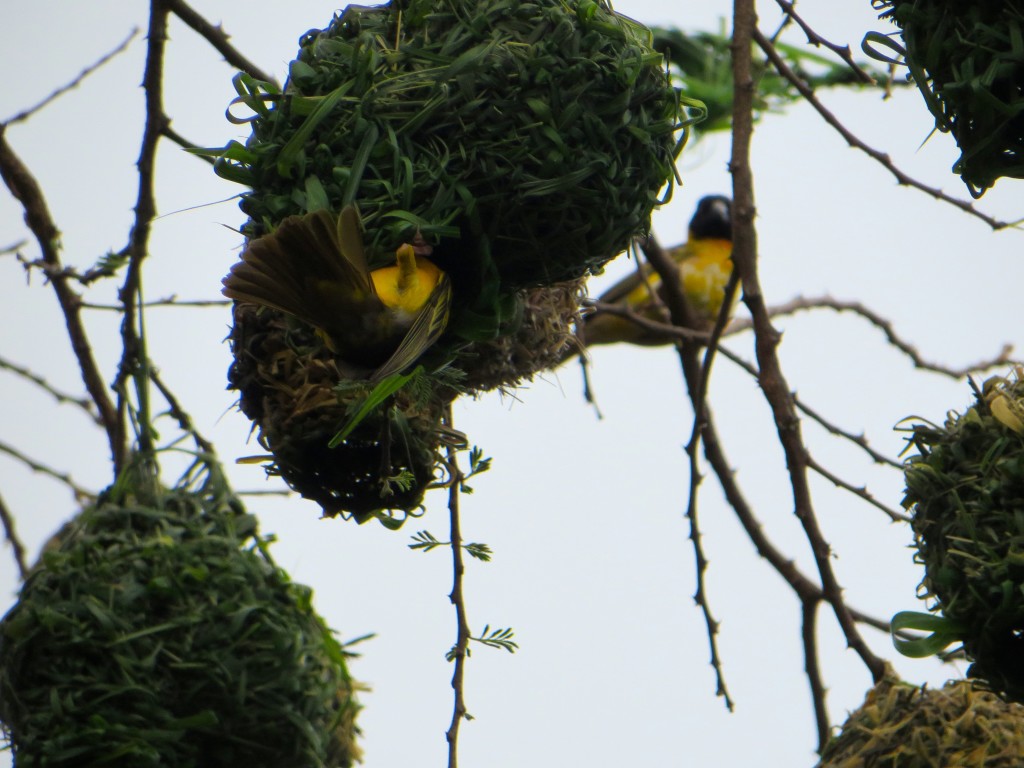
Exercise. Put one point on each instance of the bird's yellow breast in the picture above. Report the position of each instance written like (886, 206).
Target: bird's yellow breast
(705, 272)
(408, 285)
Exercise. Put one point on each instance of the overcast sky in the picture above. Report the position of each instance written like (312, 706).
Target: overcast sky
(592, 566)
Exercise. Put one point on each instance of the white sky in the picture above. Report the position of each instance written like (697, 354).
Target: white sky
(592, 565)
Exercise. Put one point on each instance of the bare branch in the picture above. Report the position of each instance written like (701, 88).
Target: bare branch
(216, 37)
(862, 491)
(783, 69)
(886, 327)
(771, 379)
(84, 403)
(17, 548)
(181, 141)
(81, 494)
(842, 51)
(26, 114)
(133, 354)
(812, 667)
(26, 190)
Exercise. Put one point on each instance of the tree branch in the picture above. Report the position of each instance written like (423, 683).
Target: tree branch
(26, 191)
(783, 69)
(217, 37)
(771, 379)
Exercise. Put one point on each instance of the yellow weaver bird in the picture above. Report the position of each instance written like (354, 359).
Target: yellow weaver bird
(314, 268)
(705, 265)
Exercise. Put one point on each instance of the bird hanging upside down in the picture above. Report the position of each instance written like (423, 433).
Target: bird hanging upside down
(705, 265)
(314, 268)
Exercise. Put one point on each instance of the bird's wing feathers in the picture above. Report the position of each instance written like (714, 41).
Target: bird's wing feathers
(426, 328)
(291, 268)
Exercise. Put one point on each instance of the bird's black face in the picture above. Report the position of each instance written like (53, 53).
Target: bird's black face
(713, 219)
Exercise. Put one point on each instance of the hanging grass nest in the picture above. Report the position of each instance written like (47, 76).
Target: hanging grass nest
(906, 726)
(966, 493)
(159, 632)
(967, 59)
(528, 142)
(292, 389)
(546, 333)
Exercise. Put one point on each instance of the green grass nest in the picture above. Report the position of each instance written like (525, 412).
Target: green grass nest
(905, 726)
(292, 389)
(967, 59)
(160, 633)
(527, 141)
(966, 492)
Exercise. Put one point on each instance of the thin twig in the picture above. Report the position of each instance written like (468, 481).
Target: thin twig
(684, 319)
(170, 301)
(842, 51)
(84, 403)
(26, 114)
(81, 494)
(26, 191)
(773, 382)
(801, 303)
(216, 37)
(132, 354)
(180, 415)
(881, 157)
(181, 141)
(460, 651)
(736, 326)
(812, 667)
(17, 548)
(861, 491)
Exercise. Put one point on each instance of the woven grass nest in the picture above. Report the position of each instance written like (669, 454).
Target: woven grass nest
(966, 492)
(292, 388)
(521, 144)
(532, 139)
(967, 59)
(159, 633)
(905, 726)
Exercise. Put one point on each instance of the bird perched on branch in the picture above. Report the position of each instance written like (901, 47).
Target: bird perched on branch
(314, 268)
(705, 265)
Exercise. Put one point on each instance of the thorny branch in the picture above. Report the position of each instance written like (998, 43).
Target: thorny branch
(7, 519)
(84, 403)
(813, 38)
(902, 178)
(26, 114)
(145, 212)
(696, 376)
(773, 382)
(216, 37)
(79, 492)
(26, 190)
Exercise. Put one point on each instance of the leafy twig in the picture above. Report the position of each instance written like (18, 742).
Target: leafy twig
(26, 114)
(460, 651)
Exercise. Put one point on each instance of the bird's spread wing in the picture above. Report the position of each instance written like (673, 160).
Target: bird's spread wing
(426, 328)
(300, 268)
